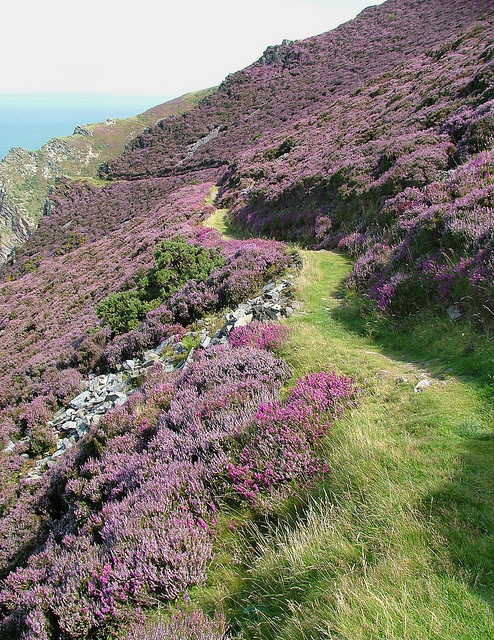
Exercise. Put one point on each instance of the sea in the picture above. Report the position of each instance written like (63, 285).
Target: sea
(31, 120)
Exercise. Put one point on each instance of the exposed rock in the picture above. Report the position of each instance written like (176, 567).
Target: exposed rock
(80, 400)
(192, 148)
(277, 53)
(422, 385)
(107, 391)
(10, 447)
(244, 320)
(83, 131)
(454, 312)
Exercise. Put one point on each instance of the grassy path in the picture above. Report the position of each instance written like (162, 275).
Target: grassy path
(397, 542)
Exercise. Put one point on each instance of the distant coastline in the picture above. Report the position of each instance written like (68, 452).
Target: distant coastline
(29, 121)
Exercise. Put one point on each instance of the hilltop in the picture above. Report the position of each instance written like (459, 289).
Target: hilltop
(175, 466)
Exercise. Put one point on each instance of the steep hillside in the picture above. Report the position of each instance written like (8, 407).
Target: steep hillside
(320, 136)
(27, 177)
(295, 80)
(169, 472)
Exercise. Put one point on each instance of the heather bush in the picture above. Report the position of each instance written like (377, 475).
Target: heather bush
(65, 384)
(282, 446)
(37, 412)
(90, 350)
(356, 243)
(369, 266)
(182, 626)
(257, 334)
(135, 342)
(8, 429)
(438, 246)
(248, 265)
(218, 364)
(136, 500)
(477, 133)
(192, 301)
(159, 545)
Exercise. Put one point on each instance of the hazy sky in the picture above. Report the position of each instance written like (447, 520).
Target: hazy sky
(169, 48)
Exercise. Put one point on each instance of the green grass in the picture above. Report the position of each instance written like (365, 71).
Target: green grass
(397, 541)
(219, 219)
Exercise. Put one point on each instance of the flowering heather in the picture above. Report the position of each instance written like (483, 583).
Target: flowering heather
(48, 310)
(321, 163)
(375, 137)
(313, 165)
(258, 334)
(182, 626)
(49, 314)
(439, 244)
(254, 110)
(281, 447)
(127, 520)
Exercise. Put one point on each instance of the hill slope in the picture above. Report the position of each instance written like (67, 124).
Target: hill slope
(211, 485)
(26, 177)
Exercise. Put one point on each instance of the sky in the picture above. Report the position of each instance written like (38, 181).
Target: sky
(149, 47)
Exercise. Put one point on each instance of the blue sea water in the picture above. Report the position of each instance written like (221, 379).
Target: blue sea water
(31, 120)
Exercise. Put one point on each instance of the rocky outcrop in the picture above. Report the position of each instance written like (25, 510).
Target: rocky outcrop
(275, 301)
(18, 178)
(15, 227)
(83, 131)
(276, 54)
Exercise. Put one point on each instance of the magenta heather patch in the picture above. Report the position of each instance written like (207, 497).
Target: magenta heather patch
(322, 390)
(182, 626)
(49, 312)
(439, 245)
(282, 445)
(37, 412)
(257, 334)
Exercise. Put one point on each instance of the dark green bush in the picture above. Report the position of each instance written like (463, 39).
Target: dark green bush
(176, 262)
(286, 146)
(122, 311)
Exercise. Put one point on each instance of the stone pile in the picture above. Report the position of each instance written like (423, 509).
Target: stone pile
(275, 301)
(107, 391)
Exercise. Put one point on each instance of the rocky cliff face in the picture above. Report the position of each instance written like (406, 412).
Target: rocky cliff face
(27, 177)
(23, 190)
(14, 227)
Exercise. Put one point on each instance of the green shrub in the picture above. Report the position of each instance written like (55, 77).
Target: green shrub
(286, 146)
(176, 262)
(122, 311)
